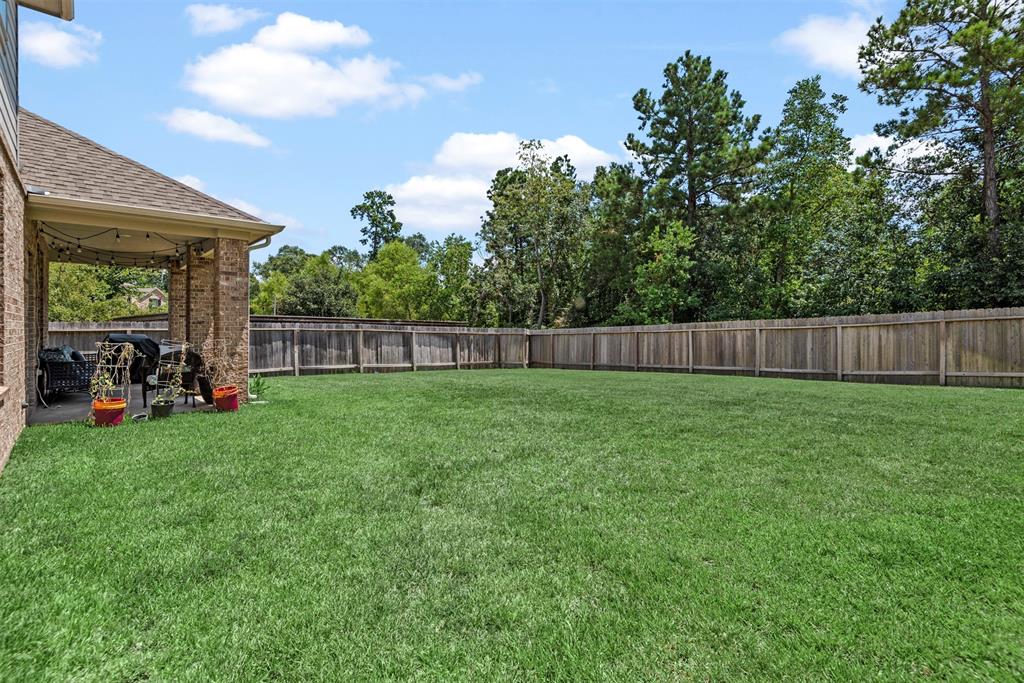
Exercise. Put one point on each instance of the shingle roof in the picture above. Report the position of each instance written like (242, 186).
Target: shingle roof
(67, 164)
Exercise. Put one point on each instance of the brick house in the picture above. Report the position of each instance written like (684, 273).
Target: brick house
(146, 298)
(67, 198)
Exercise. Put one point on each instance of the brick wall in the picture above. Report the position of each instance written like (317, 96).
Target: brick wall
(216, 306)
(232, 308)
(37, 294)
(12, 312)
(176, 294)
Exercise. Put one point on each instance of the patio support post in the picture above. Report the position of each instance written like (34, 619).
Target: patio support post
(177, 303)
(217, 306)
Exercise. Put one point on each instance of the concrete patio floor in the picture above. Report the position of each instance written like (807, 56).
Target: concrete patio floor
(75, 407)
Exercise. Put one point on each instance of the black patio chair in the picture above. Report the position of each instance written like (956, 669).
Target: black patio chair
(65, 371)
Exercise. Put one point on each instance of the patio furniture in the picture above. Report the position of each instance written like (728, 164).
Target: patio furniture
(65, 371)
(193, 378)
(147, 359)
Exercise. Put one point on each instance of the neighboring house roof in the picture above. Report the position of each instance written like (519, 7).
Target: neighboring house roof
(66, 164)
(148, 292)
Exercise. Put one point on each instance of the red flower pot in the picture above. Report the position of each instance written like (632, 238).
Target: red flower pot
(108, 412)
(226, 398)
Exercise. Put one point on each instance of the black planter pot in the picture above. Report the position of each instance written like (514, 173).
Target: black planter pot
(160, 410)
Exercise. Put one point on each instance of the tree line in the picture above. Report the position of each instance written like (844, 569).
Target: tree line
(717, 217)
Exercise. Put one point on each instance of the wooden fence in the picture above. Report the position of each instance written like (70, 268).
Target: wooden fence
(975, 348)
(306, 349)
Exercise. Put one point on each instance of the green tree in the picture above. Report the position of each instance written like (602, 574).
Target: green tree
(451, 263)
(617, 239)
(662, 280)
(697, 157)
(535, 235)
(344, 257)
(955, 68)
(82, 292)
(395, 285)
(382, 226)
(319, 289)
(804, 182)
(270, 295)
(288, 261)
(420, 244)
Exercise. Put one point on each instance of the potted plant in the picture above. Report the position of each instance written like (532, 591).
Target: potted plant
(216, 363)
(162, 405)
(168, 386)
(225, 398)
(107, 409)
(112, 377)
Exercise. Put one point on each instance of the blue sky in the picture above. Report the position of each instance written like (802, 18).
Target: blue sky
(294, 109)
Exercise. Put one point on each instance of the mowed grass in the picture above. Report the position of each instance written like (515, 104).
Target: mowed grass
(525, 525)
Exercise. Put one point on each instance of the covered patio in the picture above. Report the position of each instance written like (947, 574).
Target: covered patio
(87, 204)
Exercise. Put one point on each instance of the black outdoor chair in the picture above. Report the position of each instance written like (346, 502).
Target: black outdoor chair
(65, 371)
(193, 378)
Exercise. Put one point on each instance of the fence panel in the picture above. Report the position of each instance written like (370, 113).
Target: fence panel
(970, 348)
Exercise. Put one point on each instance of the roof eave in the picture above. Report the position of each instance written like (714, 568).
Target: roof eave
(56, 209)
(64, 9)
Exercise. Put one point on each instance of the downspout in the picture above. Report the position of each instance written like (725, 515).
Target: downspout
(260, 244)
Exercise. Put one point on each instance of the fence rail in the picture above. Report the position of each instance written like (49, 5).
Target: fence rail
(976, 348)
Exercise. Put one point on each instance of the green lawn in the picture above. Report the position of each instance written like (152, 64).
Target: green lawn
(525, 524)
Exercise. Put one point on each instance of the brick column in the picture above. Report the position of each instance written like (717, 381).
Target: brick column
(176, 302)
(37, 308)
(231, 317)
(217, 305)
(201, 285)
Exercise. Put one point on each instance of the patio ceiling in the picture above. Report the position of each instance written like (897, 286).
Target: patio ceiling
(96, 206)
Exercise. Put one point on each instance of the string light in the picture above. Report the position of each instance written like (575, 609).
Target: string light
(62, 243)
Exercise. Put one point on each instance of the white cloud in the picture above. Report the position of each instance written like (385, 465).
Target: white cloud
(275, 76)
(441, 203)
(254, 80)
(486, 153)
(59, 47)
(453, 84)
(294, 32)
(453, 195)
(192, 181)
(208, 20)
(864, 143)
(830, 43)
(209, 126)
(913, 149)
(479, 153)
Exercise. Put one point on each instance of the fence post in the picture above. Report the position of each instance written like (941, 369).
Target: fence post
(359, 350)
(593, 349)
(757, 352)
(497, 346)
(526, 349)
(295, 350)
(839, 353)
(412, 351)
(942, 353)
(689, 350)
(636, 348)
(458, 354)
